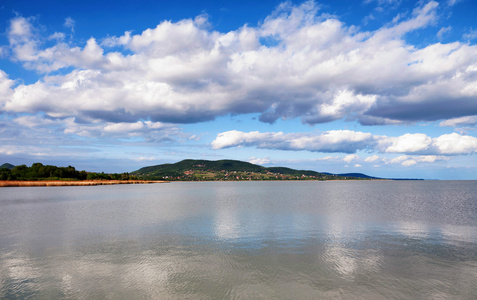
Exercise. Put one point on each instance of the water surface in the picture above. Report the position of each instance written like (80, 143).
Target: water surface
(241, 240)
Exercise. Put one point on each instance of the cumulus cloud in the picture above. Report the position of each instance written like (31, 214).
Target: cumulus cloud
(23, 40)
(259, 161)
(317, 69)
(462, 121)
(455, 143)
(331, 141)
(431, 158)
(124, 127)
(407, 161)
(399, 159)
(372, 158)
(45, 127)
(347, 141)
(407, 143)
(447, 144)
(6, 90)
(350, 157)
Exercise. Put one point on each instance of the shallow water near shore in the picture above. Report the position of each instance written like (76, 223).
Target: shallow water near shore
(241, 240)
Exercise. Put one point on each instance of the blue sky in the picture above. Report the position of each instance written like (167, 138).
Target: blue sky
(382, 87)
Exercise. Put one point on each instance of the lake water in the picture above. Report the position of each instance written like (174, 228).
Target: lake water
(241, 240)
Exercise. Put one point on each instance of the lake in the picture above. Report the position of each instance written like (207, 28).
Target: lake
(241, 240)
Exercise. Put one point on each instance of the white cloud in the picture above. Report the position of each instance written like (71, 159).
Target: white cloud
(331, 141)
(327, 158)
(317, 69)
(35, 121)
(455, 143)
(22, 39)
(144, 158)
(21, 27)
(399, 159)
(202, 20)
(444, 30)
(470, 35)
(347, 141)
(70, 23)
(43, 127)
(5, 88)
(452, 2)
(447, 144)
(408, 143)
(7, 150)
(462, 121)
(371, 158)
(117, 41)
(383, 2)
(409, 162)
(57, 36)
(124, 127)
(340, 104)
(259, 161)
(430, 158)
(350, 157)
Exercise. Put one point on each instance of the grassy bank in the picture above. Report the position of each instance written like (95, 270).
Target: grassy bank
(19, 183)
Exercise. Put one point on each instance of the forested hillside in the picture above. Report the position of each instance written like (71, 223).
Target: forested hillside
(197, 170)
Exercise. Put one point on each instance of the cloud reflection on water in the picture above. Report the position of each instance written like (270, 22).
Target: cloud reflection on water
(225, 240)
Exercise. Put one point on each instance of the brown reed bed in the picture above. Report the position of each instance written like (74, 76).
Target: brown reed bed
(18, 183)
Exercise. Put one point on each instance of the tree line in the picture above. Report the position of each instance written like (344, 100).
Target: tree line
(38, 171)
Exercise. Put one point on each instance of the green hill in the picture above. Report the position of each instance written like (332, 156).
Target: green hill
(358, 175)
(191, 164)
(288, 171)
(206, 167)
(195, 170)
(7, 166)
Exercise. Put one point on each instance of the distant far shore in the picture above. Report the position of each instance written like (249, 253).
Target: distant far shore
(20, 183)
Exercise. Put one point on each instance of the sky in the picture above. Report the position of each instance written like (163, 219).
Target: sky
(382, 87)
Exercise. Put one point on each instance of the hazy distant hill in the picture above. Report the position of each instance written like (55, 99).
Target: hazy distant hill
(364, 176)
(358, 175)
(191, 170)
(7, 166)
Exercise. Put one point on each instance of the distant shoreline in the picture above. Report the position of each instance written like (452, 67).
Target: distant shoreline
(19, 183)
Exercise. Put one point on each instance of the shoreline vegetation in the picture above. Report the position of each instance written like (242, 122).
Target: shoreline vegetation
(46, 175)
(37, 183)
(186, 170)
(40, 172)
